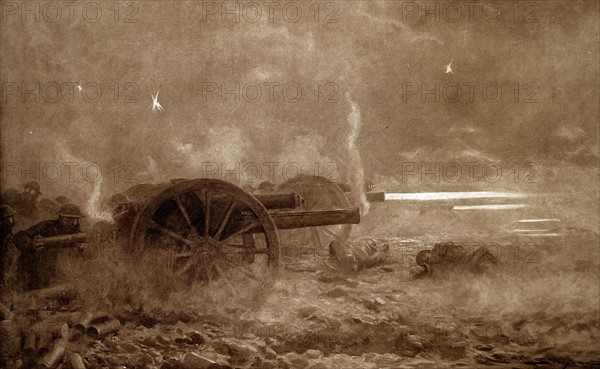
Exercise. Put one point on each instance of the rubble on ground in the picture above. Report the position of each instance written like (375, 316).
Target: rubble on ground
(320, 318)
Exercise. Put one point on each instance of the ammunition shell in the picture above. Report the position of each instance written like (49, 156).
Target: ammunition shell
(30, 343)
(101, 330)
(51, 359)
(65, 333)
(76, 361)
(84, 322)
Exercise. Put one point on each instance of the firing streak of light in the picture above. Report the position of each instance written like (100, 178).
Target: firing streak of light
(489, 207)
(530, 230)
(436, 196)
(541, 235)
(537, 220)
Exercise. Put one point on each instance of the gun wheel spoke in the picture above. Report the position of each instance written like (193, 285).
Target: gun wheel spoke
(171, 234)
(207, 204)
(185, 214)
(225, 220)
(204, 228)
(225, 279)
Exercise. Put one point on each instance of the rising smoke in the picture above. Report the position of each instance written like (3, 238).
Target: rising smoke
(356, 172)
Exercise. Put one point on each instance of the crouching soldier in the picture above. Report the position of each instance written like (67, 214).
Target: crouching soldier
(359, 255)
(37, 264)
(8, 254)
(124, 213)
(446, 257)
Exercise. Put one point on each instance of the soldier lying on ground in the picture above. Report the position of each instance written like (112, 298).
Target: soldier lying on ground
(448, 257)
(37, 266)
(358, 255)
(8, 254)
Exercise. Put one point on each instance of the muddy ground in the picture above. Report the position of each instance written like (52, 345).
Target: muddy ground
(538, 309)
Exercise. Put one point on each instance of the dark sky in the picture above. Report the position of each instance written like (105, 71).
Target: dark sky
(541, 56)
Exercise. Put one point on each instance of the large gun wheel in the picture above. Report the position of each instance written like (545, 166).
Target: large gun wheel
(319, 193)
(199, 230)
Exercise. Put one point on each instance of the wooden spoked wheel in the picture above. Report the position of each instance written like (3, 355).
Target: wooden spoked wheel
(208, 230)
(318, 193)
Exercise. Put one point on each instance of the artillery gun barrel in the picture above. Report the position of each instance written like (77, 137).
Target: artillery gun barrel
(375, 196)
(280, 200)
(314, 218)
(67, 238)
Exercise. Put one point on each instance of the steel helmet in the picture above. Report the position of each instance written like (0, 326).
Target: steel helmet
(33, 185)
(70, 211)
(6, 211)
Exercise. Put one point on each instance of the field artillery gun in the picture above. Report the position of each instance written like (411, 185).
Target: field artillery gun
(213, 230)
(322, 194)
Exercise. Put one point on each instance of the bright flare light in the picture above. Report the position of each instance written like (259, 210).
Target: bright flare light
(542, 235)
(436, 196)
(155, 104)
(490, 207)
(537, 220)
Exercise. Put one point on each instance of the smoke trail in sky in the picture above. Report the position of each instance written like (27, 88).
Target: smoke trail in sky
(356, 172)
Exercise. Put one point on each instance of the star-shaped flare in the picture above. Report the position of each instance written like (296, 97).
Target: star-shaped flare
(155, 104)
(449, 68)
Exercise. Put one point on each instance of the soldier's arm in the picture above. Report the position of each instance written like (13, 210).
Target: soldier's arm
(24, 239)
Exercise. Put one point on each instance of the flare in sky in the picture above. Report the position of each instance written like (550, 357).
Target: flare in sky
(155, 104)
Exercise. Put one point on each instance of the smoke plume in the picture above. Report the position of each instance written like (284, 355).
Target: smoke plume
(356, 173)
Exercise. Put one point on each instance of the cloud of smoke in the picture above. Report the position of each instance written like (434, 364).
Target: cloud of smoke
(356, 172)
(93, 205)
(91, 199)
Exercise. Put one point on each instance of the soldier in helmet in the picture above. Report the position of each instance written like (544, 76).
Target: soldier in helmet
(38, 265)
(124, 213)
(10, 197)
(28, 200)
(8, 253)
(25, 203)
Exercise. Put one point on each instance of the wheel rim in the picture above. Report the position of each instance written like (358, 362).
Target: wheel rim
(319, 193)
(201, 227)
